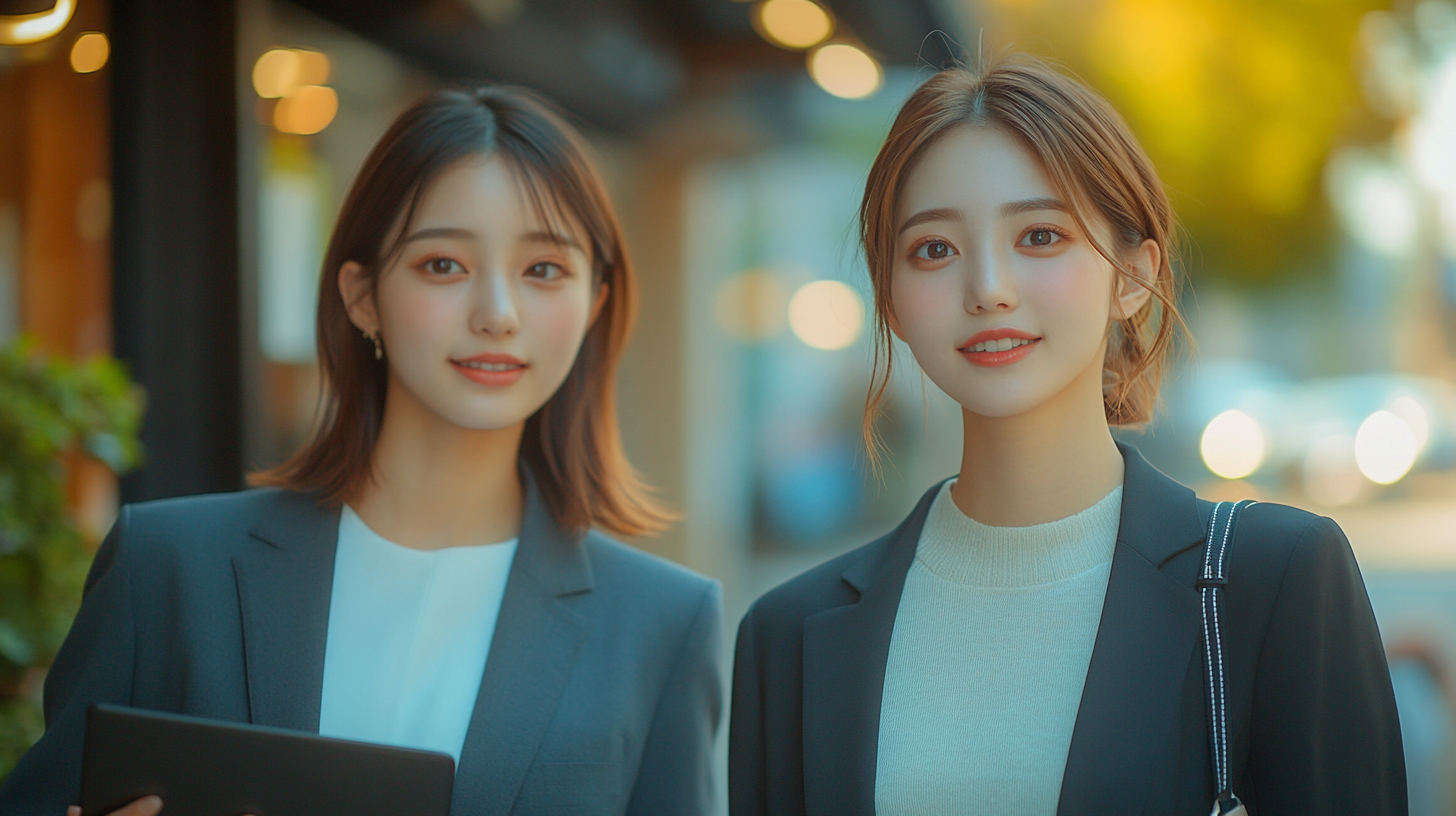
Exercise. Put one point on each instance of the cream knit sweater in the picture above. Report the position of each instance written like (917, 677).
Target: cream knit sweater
(990, 650)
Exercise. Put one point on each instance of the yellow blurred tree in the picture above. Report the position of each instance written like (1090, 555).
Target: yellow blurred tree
(1239, 103)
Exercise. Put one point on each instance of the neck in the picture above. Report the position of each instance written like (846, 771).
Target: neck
(1042, 465)
(438, 485)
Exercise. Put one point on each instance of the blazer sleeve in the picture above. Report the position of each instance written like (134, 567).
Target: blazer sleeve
(1325, 738)
(747, 794)
(95, 664)
(676, 772)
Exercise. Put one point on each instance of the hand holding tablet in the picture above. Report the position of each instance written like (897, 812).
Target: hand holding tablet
(145, 806)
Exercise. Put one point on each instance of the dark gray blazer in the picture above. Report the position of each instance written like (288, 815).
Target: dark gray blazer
(1312, 716)
(601, 694)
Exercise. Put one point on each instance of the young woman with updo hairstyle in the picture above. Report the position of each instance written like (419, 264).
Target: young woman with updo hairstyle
(428, 570)
(1029, 640)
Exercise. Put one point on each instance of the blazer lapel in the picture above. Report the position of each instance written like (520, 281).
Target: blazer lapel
(1131, 703)
(845, 651)
(531, 655)
(284, 584)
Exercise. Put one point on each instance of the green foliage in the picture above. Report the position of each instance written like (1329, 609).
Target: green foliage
(50, 408)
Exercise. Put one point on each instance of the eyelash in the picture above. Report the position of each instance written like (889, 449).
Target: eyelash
(1061, 234)
(430, 266)
(915, 250)
(560, 270)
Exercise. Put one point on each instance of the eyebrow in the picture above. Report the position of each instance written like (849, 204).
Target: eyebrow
(461, 233)
(1007, 209)
(551, 237)
(440, 232)
(1031, 204)
(926, 216)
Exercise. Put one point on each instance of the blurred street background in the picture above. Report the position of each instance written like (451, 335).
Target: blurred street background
(169, 172)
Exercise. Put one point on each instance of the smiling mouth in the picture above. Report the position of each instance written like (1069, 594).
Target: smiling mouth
(493, 370)
(1004, 344)
(488, 366)
(994, 352)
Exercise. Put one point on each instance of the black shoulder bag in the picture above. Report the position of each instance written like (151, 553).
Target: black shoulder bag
(1210, 585)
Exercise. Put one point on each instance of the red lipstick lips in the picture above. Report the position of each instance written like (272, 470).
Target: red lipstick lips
(994, 351)
(490, 369)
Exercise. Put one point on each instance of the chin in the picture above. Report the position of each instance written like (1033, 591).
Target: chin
(484, 418)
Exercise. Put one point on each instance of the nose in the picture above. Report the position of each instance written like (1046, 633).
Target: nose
(989, 284)
(494, 310)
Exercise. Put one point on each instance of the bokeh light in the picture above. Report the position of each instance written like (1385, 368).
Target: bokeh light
(1385, 448)
(279, 72)
(826, 314)
(793, 23)
(1233, 445)
(24, 29)
(89, 52)
(306, 110)
(1414, 413)
(845, 71)
(751, 306)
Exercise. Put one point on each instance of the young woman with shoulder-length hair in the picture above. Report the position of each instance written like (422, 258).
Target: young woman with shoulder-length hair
(1060, 628)
(426, 572)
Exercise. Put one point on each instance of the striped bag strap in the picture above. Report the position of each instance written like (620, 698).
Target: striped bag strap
(1211, 583)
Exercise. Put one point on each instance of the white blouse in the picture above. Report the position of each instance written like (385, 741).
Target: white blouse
(409, 633)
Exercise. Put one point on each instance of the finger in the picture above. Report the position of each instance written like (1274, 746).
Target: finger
(73, 810)
(145, 806)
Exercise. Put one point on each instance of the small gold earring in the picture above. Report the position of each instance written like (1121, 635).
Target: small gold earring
(378, 347)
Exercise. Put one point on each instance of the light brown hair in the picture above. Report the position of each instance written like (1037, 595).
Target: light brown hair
(1090, 157)
(572, 444)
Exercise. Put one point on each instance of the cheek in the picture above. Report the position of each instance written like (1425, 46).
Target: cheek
(1073, 294)
(558, 321)
(922, 302)
(416, 311)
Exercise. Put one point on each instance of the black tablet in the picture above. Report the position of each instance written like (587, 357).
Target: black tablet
(210, 768)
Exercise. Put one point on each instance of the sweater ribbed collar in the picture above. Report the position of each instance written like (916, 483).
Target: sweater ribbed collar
(965, 551)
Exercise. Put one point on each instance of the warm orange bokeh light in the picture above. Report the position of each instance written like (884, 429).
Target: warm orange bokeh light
(307, 110)
(90, 52)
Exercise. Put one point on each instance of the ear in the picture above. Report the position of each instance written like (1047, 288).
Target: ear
(358, 295)
(1135, 287)
(598, 301)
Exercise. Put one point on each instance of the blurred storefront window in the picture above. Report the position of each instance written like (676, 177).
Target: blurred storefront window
(317, 98)
(55, 210)
(55, 195)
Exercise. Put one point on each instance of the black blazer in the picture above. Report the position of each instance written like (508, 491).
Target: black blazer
(601, 694)
(1312, 715)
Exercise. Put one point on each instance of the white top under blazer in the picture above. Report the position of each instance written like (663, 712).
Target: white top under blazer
(409, 634)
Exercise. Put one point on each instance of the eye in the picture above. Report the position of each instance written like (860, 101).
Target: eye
(545, 270)
(934, 251)
(1041, 237)
(442, 266)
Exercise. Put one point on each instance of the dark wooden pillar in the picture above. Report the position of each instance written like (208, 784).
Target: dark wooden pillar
(175, 238)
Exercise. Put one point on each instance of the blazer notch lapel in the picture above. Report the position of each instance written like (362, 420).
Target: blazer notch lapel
(845, 651)
(284, 586)
(532, 652)
(1160, 517)
(1130, 715)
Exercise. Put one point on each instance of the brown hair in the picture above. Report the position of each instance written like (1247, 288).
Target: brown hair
(1091, 158)
(571, 445)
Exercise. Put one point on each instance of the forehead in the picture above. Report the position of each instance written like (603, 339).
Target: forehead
(975, 169)
(488, 194)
